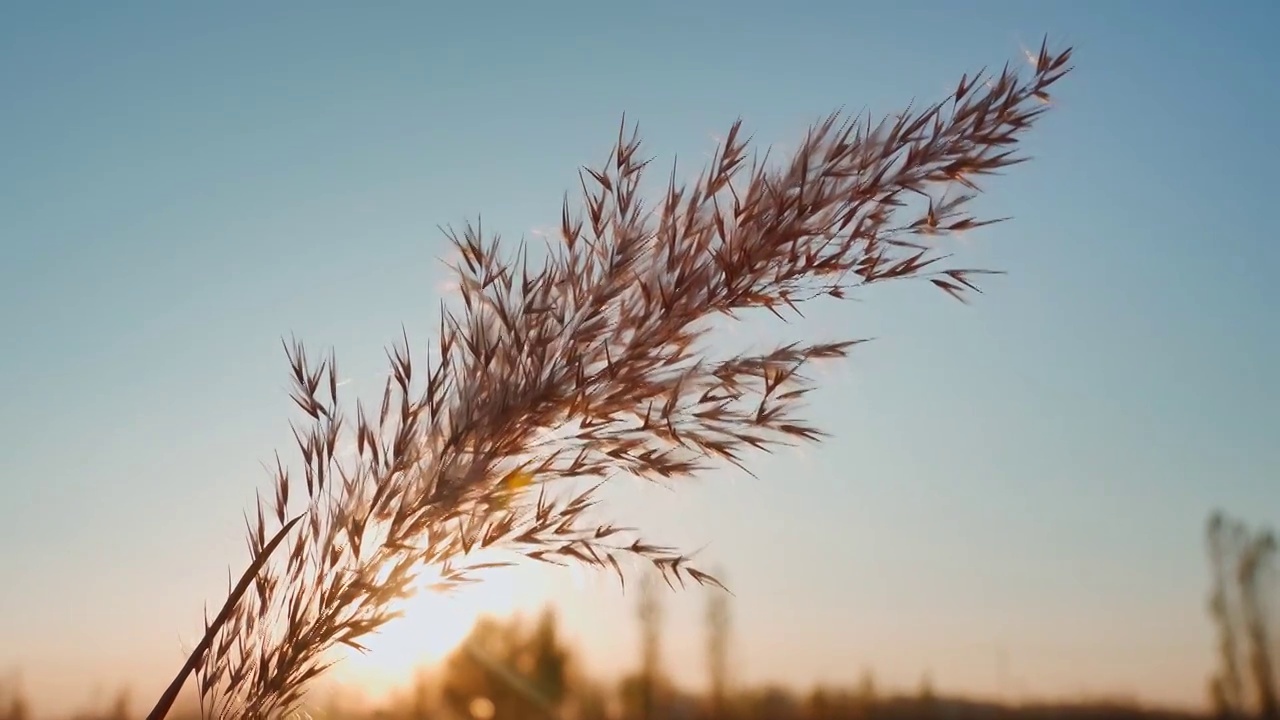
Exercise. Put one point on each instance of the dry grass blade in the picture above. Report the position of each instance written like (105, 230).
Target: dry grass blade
(595, 364)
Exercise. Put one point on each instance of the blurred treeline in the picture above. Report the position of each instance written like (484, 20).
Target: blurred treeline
(521, 668)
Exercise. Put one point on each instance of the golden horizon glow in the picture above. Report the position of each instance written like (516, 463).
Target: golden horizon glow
(433, 624)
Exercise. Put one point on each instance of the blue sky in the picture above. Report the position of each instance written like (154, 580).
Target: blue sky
(1027, 476)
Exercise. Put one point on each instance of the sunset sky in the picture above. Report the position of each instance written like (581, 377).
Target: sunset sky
(1014, 496)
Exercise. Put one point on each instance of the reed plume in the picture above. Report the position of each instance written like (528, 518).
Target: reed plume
(595, 363)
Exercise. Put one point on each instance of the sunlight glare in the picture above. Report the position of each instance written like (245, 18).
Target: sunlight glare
(433, 624)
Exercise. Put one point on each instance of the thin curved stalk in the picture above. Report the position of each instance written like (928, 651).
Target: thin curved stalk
(161, 710)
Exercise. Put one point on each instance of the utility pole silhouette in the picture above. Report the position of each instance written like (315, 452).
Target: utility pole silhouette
(718, 629)
(1002, 674)
(649, 611)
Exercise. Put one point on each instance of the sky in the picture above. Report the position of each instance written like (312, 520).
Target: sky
(1014, 495)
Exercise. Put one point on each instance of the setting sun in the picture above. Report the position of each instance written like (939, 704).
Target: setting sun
(433, 624)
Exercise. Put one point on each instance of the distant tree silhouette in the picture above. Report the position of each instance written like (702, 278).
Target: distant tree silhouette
(867, 688)
(819, 705)
(547, 659)
(926, 693)
(590, 700)
(1226, 685)
(13, 699)
(504, 670)
(866, 696)
(1254, 600)
(1241, 606)
(771, 702)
